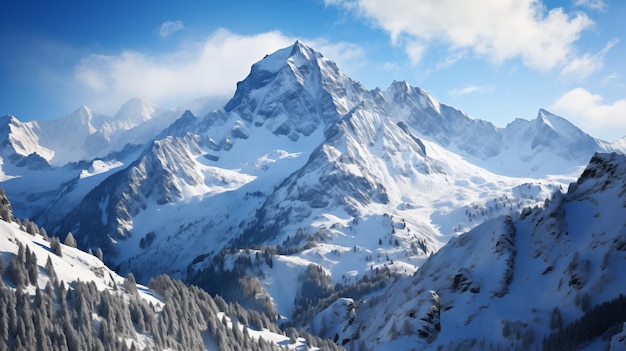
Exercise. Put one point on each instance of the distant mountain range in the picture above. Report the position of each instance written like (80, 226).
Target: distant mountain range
(306, 189)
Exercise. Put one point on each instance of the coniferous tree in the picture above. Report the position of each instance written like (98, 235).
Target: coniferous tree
(69, 240)
(31, 266)
(55, 246)
(6, 211)
(556, 322)
(44, 233)
(50, 269)
(130, 284)
(27, 227)
(16, 272)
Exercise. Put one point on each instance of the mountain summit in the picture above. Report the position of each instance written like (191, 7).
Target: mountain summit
(293, 91)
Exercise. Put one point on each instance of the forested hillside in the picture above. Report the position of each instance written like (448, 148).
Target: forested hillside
(55, 297)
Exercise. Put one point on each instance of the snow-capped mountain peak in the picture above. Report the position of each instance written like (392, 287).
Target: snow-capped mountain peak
(298, 53)
(542, 118)
(136, 111)
(295, 80)
(402, 91)
(561, 126)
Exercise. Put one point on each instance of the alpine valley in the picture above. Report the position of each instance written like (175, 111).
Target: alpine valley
(378, 219)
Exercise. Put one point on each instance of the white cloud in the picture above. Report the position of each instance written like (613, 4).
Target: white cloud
(582, 67)
(471, 89)
(170, 27)
(415, 51)
(598, 5)
(349, 57)
(497, 30)
(207, 69)
(613, 77)
(592, 114)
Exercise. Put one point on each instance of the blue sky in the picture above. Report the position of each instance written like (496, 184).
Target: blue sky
(494, 60)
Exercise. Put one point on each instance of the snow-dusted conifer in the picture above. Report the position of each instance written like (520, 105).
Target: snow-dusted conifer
(44, 233)
(16, 272)
(50, 269)
(31, 266)
(55, 245)
(131, 284)
(69, 240)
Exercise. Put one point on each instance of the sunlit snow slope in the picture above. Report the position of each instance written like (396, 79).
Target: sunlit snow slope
(511, 281)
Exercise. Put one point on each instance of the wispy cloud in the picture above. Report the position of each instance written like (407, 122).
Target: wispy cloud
(598, 5)
(471, 89)
(592, 113)
(208, 68)
(613, 77)
(170, 27)
(496, 30)
(582, 67)
(348, 56)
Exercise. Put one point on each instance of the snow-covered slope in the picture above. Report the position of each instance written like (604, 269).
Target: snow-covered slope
(509, 282)
(83, 134)
(21, 148)
(48, 166)
(447, 126)
(55, 296)
(548, 144)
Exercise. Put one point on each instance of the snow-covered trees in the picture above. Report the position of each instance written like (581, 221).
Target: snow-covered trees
(79, 316)
(6, 212)
(99, 254)
(315, 284)
(131, 284)
(55, 245)
(23, 269)
(69, 240)
(592, 324)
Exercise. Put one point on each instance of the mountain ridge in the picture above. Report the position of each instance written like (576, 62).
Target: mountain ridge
(304, 167)
(444, 306)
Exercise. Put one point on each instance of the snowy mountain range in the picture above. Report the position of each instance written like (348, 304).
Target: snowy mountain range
(303, 177)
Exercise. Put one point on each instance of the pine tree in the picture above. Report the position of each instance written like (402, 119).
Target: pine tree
(44, 233)
(50, 269)
(31, 266)
(556, 322)
(16, 272)
(130, 284)
(69, 240)
(6, 212)
(55, 245)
